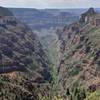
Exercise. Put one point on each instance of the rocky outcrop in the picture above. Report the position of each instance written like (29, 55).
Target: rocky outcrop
(85, 16)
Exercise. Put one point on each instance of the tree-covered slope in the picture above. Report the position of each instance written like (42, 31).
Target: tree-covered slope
(80, 58)
(23, 62)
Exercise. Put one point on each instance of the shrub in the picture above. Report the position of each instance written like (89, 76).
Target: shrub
(74, 71)
(76, 92)
(94, 96)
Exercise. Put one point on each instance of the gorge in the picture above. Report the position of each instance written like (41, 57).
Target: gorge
(61, 64)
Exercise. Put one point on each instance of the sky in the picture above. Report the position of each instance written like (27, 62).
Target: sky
(50, 3)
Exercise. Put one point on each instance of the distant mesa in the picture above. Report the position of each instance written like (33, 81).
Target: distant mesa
(5, 12)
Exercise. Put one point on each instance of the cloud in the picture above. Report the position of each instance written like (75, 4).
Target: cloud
(74, 3)
(50, 3)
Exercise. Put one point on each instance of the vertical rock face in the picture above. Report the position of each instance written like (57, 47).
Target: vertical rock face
(80, 55)
(22, 58)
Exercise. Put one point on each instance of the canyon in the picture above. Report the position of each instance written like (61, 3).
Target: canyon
(62, 63)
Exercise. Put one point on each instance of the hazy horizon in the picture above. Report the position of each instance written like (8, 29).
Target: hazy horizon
(52, 8)
(51, 4)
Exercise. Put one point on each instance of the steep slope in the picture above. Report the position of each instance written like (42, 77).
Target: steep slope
(80, 53)
(23, 62)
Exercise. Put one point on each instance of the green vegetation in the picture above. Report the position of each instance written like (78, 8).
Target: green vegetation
(33, 65)
(73, 70)
(95, 32)
(94, 96)
(53, 92)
